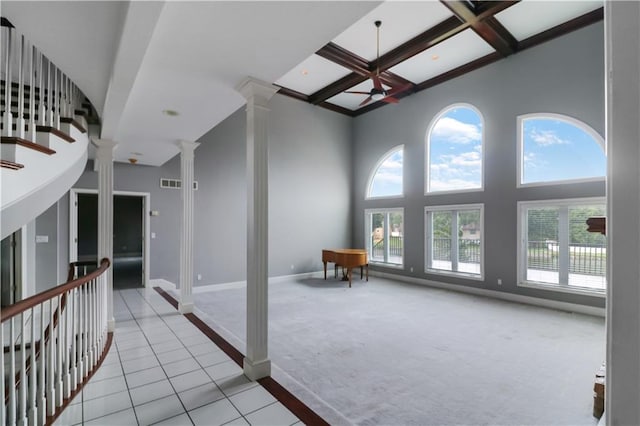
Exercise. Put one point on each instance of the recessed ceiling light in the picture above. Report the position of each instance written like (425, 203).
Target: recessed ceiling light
(305, 72)
(435, 57)
(170, 112)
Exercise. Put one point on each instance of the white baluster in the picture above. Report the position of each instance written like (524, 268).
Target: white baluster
(31, 126)
(56, 99)
(59, 346)
(85, 326)
(20, 119)
(66, 378)
(49, 121)
(11, 420)
(42, 111)
(33, 384)
(3, 408)
(22, 389)
(73, 371)
(42, 384)
(50, 368)
(92, 330)
(7, 119)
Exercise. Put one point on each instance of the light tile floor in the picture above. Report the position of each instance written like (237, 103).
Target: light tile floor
(162, 370)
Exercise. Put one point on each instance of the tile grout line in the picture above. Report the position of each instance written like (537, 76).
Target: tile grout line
(227, 397)
(298, 408)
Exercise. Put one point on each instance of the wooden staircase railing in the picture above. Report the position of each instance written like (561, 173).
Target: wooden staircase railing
(54, 341)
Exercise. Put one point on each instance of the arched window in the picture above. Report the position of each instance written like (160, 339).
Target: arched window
(454, 150)
(555, 148)
(386, 179)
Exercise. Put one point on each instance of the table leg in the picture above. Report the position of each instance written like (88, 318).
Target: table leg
(325, 270)
(349, 273)
(367, 266)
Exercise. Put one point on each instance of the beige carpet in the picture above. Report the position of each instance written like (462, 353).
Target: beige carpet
(390, 353)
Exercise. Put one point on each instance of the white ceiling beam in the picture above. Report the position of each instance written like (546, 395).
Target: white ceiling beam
(137, 31)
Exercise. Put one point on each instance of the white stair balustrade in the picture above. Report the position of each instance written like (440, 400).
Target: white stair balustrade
(43, 348)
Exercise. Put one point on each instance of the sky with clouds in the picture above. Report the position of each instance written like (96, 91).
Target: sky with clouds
(455, 151)
(555, 150)
(388, 178)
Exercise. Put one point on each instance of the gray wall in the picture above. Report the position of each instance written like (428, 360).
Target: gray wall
(47, 253)
(309, 190)
(309, 195)
(563, 76)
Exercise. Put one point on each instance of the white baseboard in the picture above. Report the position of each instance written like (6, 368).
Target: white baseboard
(528, 300)
(242, 284)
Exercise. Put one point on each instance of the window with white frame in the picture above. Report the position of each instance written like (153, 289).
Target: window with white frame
(454, 240)
(386, 179)
(555, 148)
(384, 233)
(454, 150)
(556, 251)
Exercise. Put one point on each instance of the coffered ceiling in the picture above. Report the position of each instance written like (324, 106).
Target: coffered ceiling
(424, 43)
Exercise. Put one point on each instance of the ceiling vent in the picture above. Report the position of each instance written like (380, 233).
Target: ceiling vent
(175, 183)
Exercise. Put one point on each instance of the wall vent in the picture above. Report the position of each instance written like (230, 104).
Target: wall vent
(175, 183)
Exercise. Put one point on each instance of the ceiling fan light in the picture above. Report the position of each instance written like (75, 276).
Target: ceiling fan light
(377, 96)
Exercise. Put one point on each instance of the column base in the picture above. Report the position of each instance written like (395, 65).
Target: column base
(111, 325)
(185, 308)
(258, 370)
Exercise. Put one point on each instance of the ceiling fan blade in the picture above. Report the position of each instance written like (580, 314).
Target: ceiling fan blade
(376, 82)
(366, 101)
(390, 100)
(398, 89)
(357, 93)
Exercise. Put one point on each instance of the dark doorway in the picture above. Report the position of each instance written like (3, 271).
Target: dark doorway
(128, 237)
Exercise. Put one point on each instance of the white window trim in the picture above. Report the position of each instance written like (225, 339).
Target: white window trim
(373, 173)
(427, 236)
(560, 117)
(427, 176)
(521, 259)
(367, 233)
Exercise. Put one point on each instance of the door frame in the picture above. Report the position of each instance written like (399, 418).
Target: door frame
(146, 226)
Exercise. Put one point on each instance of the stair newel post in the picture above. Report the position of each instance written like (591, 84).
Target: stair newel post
(20, 119)
(33, 384)
(7, 119)
(31, 135)
(22, 415)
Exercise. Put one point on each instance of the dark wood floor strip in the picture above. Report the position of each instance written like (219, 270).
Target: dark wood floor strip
(286, 398)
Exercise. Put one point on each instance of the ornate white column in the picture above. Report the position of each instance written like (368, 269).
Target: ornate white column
(104, 165)
(186, 235)
(257, 93)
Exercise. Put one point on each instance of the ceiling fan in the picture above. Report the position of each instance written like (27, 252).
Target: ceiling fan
(378, 92)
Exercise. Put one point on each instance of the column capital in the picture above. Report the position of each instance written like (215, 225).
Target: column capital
(105, 149)
(187, 148)
(256, 91)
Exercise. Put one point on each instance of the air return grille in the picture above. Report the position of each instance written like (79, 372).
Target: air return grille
(175, 183)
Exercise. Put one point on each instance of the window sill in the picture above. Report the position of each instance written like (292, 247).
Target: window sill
(564, 289)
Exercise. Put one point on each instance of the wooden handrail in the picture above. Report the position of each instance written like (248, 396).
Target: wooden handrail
(30, 302)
